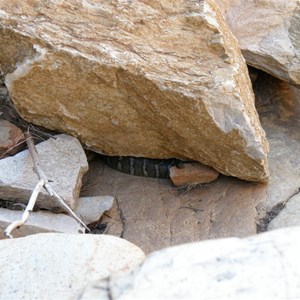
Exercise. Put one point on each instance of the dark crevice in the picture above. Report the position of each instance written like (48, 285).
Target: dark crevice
(263, 223)
(122, 218)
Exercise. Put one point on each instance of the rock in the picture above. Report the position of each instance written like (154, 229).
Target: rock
(90, 209)
(153, 214)
(279, 105)
(38, 222)
(192, 173)
(268, 33)
(289, 216)
(59, 266)
(11, 138)
(261, 267)
(63, 161)
(143, 87)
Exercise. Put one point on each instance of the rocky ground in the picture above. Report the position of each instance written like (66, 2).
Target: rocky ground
(154, 214)
(232, 237)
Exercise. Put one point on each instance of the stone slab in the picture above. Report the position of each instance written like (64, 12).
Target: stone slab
(38, 222)
(64, 162)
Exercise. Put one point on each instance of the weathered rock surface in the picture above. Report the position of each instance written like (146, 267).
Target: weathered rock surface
(261, 267)
(192, 173)
(268, 33)
(153, 214)
(64, 163)
(59, 266)
(38, 222)
(11, 138)
(289, 215)
(160, 79)
(90, 209)
(279, 107)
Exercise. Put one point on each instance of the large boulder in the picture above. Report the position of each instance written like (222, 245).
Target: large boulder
(260, 267)
(59, 266)
(156, 79)
(268, 33)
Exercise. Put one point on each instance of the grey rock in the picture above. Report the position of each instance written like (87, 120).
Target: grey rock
(261, 267)
(90, 209)
(38, 222)
(64, 163)
(289, 216)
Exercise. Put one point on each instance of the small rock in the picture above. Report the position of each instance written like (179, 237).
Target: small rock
(64, 163)
(38, 222)
(59, 266)
(11, 138)
(90, 209)
(266, 266)
(192, 173)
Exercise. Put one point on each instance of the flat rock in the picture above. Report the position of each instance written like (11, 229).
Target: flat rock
(90, 209)
(11, 138)
(64, 163)
(59, 266)
(143, 87)
(38, 222)
(192, 173)
(154, 214)
(268, 33)
(261, 267)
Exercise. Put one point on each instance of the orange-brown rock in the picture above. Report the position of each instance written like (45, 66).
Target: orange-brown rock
(192, 173)
(11, 138)
(156, 79)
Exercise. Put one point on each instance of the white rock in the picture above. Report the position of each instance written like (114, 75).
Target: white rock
(266, 266)
(59, 266)
(64, 162)
(90, 209)
(38, 222)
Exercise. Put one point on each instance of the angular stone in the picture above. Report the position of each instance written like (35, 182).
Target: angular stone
(59, 266)
(268, 33)
(90, 209)
(11, 138)
(192, 173)
(261, 267)
(38, 222)
(158, 80)
(64, 162)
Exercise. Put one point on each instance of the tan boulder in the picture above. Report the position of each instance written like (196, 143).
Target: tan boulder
(155, 79)
(268, 33)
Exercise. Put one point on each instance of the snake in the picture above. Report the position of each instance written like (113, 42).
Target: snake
(140, 166)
